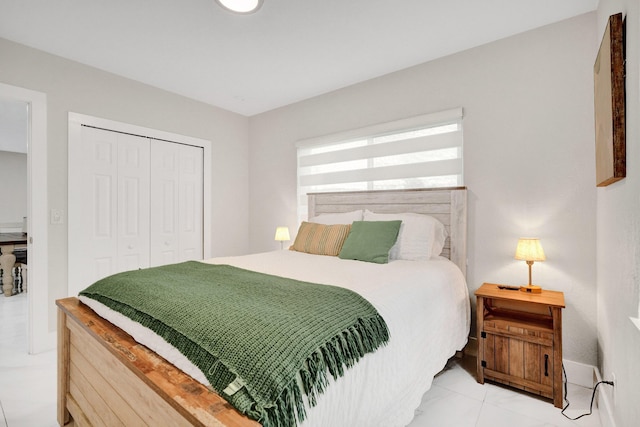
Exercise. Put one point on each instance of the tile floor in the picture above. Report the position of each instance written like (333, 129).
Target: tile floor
(27, 382)
(456, 399)
(28, 389)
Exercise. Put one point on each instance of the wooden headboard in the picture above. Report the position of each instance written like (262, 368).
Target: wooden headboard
(449, 205)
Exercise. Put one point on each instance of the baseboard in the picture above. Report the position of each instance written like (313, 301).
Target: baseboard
(47, 342)
(605, 409)
(579, 373)
(588, 376)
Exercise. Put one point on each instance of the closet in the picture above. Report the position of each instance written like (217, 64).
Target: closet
(134, 202)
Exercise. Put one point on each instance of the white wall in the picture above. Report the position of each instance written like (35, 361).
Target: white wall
(14, 124)
(529, 156)
(618, 241)
(70, 86)
(13, 191)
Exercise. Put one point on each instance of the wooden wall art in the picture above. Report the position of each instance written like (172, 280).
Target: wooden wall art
(609, 98)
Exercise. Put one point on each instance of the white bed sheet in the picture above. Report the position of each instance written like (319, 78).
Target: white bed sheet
(424, 303)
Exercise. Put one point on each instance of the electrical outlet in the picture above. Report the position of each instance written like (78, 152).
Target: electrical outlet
(57, 216)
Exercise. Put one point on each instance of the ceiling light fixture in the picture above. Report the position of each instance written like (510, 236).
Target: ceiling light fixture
(241, 6)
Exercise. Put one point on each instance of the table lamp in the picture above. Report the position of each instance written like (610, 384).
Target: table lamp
(530, 250)
(282, 235)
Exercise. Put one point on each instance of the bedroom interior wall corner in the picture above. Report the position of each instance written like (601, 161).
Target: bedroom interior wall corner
(618, 243)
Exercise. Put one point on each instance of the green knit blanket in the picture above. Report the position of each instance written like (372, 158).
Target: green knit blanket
(262, 341)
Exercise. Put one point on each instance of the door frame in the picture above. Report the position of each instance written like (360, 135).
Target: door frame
(77, 120)
(39, 336)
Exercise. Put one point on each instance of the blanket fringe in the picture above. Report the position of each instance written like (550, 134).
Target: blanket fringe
(344, 350)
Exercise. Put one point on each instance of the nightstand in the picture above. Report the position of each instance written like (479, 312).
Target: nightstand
(520, 339)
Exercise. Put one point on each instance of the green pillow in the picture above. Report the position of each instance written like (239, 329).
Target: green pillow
(370, 241)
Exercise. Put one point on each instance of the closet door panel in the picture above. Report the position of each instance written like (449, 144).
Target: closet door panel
(133, 202)
(108, 206)
(93, 201)
(102, 226)
(165, 174)
(191, 204)
(177, 203)
(164, 246)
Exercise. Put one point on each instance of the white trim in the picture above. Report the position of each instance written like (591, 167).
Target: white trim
(39, 337)
(82, 119)
(604, 406)
(588, 376)
(76, 120)
(579, 373)
(404, 124)
(636, 322)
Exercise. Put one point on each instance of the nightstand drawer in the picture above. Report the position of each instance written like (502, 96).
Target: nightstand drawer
(524, 332)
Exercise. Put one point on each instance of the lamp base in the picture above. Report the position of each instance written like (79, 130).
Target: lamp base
(531, 289)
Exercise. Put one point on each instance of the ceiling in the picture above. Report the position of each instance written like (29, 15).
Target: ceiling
(288, 51)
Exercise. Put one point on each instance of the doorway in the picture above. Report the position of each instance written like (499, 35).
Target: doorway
(39, 336)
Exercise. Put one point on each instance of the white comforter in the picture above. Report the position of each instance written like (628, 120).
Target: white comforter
(424, 303)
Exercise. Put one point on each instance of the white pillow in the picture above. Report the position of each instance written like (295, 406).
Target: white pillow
(338, 218)
(440, 236)
(421, 236)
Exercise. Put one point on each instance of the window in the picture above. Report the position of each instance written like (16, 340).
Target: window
(419, 152)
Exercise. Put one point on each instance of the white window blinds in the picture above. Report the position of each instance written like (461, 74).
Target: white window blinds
(424, 151)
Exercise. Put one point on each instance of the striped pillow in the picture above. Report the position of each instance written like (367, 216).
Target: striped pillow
(320, 239)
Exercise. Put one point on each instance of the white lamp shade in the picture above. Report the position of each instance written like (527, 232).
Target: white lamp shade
(529, 249)
(282, 234)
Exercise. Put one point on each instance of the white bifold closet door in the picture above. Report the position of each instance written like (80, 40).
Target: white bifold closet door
(134, 202)
(109, 207)
(176, 202)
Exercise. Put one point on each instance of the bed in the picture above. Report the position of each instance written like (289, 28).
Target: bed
(108, 378)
